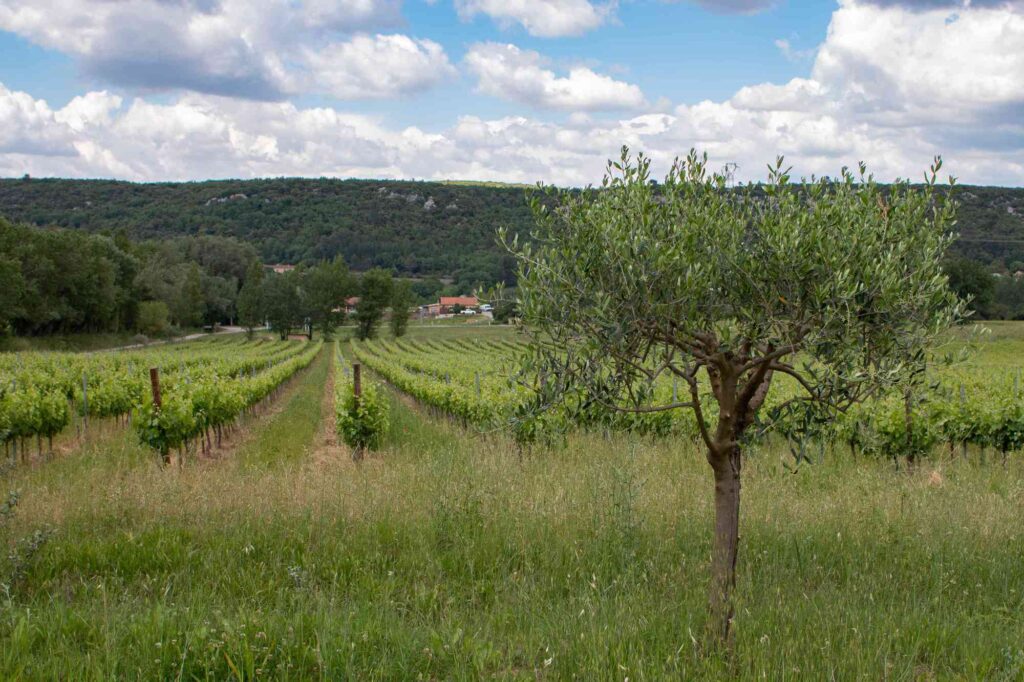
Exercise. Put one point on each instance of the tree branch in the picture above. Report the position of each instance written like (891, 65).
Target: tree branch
(698, 412)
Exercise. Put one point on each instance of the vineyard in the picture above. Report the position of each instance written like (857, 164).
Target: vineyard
(206, 385)
(974, 406)
(402, 531)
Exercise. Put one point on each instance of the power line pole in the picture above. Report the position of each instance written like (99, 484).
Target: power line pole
(730, 173)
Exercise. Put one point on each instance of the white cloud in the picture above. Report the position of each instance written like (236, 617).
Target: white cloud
(891, 58)
(791, 53)
(28, 127)
(734, 6)
(200, 137)
(507, 72)
(256, 49)
(544, 18)
(378, 66)
(886, 87)
(799, 94)
(90, 109)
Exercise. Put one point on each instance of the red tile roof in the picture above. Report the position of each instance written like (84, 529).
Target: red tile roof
(465, 301)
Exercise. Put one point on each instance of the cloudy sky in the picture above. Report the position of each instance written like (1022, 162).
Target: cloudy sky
(511, 90)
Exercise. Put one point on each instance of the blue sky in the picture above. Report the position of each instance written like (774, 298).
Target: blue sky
(517, 90)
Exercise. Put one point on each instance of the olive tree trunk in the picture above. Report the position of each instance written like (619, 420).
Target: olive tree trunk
(725, 547)
(736, 405)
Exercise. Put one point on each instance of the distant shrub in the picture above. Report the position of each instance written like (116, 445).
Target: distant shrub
(153, 318)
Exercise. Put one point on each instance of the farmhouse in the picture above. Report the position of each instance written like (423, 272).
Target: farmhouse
(447, 305)
(281, 268)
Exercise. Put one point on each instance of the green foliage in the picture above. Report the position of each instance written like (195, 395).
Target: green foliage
(835, 284)
(12, 291)
(1008, 303)
(1007, 432)
(283, 302)
(64, 281)
(328, 285)
(153, 318)
(189, 309)
(368, 223)
(402, 299)
(382, 224)
(904, 432)
(250, 298)
(168, 427)
(361, 423)
(375, 291)
(972, 282)
(212, 395)
(505, 310)
(32, 411)
(464, 381)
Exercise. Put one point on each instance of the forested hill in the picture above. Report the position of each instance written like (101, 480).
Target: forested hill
(417, 228)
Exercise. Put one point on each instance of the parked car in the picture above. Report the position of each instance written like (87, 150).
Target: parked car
(469, 311)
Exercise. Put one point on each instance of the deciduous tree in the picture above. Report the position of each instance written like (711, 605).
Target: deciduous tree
(374, 297)
(402, 299)
(282, 302)
(328, 285)
(250, 298)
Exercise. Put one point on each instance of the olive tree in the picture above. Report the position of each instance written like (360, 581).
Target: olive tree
(832, 286)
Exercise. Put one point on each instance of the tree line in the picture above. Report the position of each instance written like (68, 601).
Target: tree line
(319, 298)
(55, 281)
(441, 233)
(991, 295)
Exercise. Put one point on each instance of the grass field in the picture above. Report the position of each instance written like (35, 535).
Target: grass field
(78, 342)
(447, 555)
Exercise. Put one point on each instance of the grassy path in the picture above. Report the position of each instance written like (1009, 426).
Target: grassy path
(289, 434)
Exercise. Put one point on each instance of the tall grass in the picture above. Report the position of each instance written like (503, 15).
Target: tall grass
(446, 556)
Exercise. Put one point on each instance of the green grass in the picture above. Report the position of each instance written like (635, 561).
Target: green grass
(288, 435)
(449, 556)
(65, 342)
(78, 342)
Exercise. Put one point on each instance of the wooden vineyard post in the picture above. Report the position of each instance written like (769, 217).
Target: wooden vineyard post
(357, 392)
(154, 382)
(85, 399)
(963, 400)
(84, 427)
(357, 381)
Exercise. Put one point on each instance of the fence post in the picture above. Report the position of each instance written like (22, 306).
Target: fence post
(357, 381)
(675, 389)
(154, 382)
(357, 392)
(85, 399)
(477, 384)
